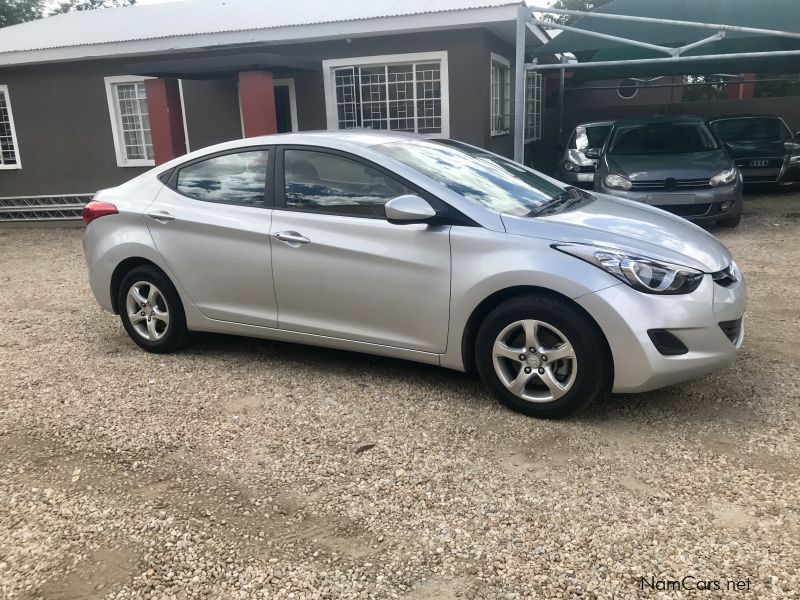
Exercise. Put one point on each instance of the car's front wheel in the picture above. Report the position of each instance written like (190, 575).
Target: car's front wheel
(151, 310)
(542, 356)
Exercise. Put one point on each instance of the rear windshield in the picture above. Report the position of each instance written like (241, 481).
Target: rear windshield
(589, 136)
(661, 138)
(752, 129)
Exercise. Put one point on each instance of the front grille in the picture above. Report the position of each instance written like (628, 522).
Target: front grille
(670, 184)
(726, 277)
(767, 162)
(687, 210)
(731, 329)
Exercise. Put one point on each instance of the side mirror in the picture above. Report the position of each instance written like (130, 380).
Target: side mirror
(791, 146)
(408, 209)
(592, 153)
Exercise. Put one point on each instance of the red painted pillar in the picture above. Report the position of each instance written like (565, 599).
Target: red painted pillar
(166, 118)
(257, 101)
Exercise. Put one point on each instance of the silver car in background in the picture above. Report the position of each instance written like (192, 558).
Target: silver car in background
(579, 156)
(674, 163)
(395, 245)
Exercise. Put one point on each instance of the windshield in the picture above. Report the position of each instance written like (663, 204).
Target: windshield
(589, 136)
(661, 138)
(500, 184)
(752, 129)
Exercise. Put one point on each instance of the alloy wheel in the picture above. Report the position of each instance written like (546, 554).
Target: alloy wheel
(147, 311)
(534, 361)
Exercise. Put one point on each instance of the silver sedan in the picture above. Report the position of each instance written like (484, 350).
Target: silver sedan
(396, 245)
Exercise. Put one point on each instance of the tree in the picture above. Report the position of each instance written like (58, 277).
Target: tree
(13, 12)
(71, 5)
(584, 5)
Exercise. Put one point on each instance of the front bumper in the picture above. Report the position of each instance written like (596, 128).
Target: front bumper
(696, 205)
(626, 315)
(580, 178)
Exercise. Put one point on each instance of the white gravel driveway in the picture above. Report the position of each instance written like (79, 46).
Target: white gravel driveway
(249, 469)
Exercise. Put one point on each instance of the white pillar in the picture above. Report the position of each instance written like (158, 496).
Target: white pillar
(523, 13)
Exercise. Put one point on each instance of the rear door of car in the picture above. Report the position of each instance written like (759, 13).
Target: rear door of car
(210, 223)
(341, 269)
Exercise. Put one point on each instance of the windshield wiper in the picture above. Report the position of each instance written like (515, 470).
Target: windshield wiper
(569, 195)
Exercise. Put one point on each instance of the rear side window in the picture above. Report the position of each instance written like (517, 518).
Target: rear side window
(332, 184)
(237, 178)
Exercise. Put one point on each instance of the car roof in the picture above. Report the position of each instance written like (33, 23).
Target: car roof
(359, 137)
(745, 116)
(594, 124)
(660, 119)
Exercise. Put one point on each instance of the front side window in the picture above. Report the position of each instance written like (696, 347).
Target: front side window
(589, 136)
(395, 95)
(495, 182)
(130, 121)
(501, 95)
(661, 138)
(332, 184)
(238, 178)
(9, 153)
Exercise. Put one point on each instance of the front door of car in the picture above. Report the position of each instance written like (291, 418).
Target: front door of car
(341, 269)
(210, 223)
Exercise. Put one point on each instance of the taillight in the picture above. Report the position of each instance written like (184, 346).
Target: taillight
(95, 210)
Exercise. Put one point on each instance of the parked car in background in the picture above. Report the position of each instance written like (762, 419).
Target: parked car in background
(764, 148)
(674, 163)
(574, 166)
(396, 245)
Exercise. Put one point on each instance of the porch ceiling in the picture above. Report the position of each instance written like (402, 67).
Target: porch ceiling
(213, 67)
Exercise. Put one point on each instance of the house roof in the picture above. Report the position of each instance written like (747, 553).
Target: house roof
(186, 24)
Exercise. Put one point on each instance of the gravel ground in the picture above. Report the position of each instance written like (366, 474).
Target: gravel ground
(248, 469)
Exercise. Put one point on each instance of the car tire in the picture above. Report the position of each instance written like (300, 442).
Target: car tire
(734, 222)
(159, 323)
(567, 384)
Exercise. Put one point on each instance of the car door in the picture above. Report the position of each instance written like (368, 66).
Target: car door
(210, 223)
(341, 269)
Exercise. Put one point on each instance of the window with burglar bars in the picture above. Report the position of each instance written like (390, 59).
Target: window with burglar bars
(130, 120)
(394, 97)
(9, 156)
(533, 106)
(500, 95)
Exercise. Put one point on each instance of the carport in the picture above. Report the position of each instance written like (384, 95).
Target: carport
(633, 38)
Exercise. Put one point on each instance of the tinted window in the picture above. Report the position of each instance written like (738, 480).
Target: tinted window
(500, 184)
(332, 184)
(662, 138)
(591, 136)
(232, 178)
(752, 129)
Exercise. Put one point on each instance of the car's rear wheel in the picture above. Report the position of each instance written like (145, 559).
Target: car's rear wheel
(542, 356)
(151, 310)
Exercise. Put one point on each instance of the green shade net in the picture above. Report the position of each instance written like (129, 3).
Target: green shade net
(782, 15)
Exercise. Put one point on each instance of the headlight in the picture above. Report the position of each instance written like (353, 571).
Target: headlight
(617, 182)
(571, 166)
(648, 275)
(723, 177)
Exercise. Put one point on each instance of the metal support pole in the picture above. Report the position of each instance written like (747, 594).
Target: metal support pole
(519, 85)
(561, 82)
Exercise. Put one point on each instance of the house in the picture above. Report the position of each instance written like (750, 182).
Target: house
(91, 99)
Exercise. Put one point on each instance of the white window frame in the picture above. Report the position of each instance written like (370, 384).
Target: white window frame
(116, 121)
(328, 67)
(18, 164)
(504, 100)
(534, 105)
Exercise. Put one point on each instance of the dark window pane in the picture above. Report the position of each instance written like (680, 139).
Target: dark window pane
(236, 178)
(327, 183)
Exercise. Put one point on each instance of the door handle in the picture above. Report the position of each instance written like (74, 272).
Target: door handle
(160, 216)
(291, 237)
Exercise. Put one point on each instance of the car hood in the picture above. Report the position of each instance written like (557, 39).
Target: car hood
(748, 149)
(694, 165)
(627, 225)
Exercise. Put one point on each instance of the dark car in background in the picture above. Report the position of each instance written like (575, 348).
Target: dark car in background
(673, 163)
(763, 147)
(574, 166)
